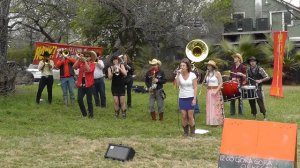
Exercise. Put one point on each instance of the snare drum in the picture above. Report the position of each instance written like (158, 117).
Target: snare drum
(230, 90)
(249, 92)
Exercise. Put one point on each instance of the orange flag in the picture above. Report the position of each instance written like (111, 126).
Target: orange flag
(279, 45)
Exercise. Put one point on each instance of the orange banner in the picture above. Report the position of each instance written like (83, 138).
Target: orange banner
(279, 45)
(55, 48)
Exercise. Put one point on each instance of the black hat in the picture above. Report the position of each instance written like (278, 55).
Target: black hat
(46, 54)
(251, 59)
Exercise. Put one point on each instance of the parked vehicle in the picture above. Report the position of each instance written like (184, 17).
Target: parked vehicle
(33, 68)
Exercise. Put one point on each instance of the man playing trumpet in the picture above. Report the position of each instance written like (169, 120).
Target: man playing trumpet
(85, 64)
(65, 64)
(45, 66)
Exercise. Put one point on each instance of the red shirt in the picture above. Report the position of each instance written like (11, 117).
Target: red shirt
(67, 63)
(241, 68)
(89, 75)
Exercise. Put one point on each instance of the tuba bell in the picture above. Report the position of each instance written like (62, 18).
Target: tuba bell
(196, 50)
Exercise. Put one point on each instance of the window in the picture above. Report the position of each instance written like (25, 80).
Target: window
(238, 15)
(288, 19)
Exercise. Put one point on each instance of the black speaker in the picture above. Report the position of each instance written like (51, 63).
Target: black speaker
(230, 27)
(247, 24)
(262, 24)
(119, 152)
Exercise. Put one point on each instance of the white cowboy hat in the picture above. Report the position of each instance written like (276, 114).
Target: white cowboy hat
(155, 62)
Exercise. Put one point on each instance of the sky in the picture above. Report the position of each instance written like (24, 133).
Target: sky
(294, 2)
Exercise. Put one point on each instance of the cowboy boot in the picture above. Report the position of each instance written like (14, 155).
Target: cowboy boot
(124, 114)
(117, 114)
(185, 130)
(161, 116)
(153, 115)
(192, 131)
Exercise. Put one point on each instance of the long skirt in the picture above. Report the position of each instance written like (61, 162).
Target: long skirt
(214, 108)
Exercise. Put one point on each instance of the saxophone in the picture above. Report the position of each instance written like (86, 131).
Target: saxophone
(153, 85)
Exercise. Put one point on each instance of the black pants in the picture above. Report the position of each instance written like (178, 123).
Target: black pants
(99, 89)
(260, 102)
(129, 84)
(82, 91)
(45, 80)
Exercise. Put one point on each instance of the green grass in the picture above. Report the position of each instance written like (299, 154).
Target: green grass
(54, 135)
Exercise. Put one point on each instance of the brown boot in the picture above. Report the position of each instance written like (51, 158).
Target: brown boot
(161, 116)
(185, 130)
(192, 131)
(153, 115)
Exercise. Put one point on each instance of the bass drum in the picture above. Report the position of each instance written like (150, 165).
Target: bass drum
(230, 90)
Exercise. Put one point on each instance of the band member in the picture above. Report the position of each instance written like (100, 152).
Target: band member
(45, 66)
(154, 80)
(85, 64)
(99, 85)
(197, 73)
(116, 73)
(214, 98)
(257, 75)
(187, 82)
(129, 79)
(238, 74)
(65, 65)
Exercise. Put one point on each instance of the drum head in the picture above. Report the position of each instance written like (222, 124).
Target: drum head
(247, 87)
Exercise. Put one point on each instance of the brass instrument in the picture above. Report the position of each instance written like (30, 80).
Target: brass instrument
(153, 85)
(116, 70)
(66, 53)
(196, 50)
(121, 58)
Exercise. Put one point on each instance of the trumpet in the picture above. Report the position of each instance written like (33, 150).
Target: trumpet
(121, 58)
(66, 53)
(116, 70)
(78, 54)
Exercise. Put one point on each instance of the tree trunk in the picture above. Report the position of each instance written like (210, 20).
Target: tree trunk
(4, 10)
(7, 71)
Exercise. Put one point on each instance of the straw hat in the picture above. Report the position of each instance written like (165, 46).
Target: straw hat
(237, 55)
(251, 59)
(155, 62)
(212, 63)
(90, 53)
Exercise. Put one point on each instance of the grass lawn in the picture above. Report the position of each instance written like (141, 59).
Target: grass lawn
(55, 135)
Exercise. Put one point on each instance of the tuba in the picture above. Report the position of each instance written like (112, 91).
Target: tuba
(196, 50)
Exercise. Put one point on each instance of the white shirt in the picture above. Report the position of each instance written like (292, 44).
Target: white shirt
(98, 73)
(186, 88)
(46, 70)
(212, 80)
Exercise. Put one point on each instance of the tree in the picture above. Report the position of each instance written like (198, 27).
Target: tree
(6, 73)
(161, 24)
(51, 18)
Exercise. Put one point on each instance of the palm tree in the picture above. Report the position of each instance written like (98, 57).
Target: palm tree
(246, 47)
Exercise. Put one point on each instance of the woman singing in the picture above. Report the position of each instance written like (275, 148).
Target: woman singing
(214, 99)
(116, 73)
(187, 82)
